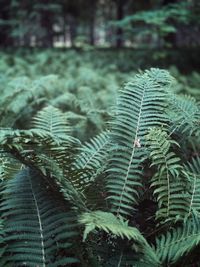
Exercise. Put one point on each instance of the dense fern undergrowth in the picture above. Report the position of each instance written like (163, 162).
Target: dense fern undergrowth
(95, 176)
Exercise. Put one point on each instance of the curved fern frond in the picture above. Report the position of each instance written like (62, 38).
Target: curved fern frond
(168, 187)
(192, 170)
(52, 121)
(93, 155)
(15, 100)
(117, 227)
(37, 150)
(170, 247)
(161, 77)
(8, 167)
(140, 105)
(184, 114)
(109, 223)
(2, 243)
(36, 225)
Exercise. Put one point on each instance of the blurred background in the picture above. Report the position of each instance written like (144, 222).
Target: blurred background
(75, 55)
(101, 23)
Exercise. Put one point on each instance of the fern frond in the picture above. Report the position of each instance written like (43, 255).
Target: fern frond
(93, 155)
(192, 170)
(36, 149)
(117, 227)
(140, 105)
(109, 223)
(36, 225)
(170, 247)
(2, 244)
(63, 146)
(52, 121)
(168, 187)
(161, 77)
(14, 101)
(184, 114)
(9, 167)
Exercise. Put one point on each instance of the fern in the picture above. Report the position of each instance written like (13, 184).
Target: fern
(110, 224)
(140, 106)
(148, 157)
(13, 103)
(36, 226)
(170, 247)
(9, 167)
(93, 155)
(119, 228)
(52, 121)
(168, 187)
(192, 170)
(50, 156)
(184, 115)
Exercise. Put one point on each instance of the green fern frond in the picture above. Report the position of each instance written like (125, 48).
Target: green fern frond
(14, 100)
(36, 149)
(117, 227)
(168, 186)
(8, 167)
(192, 170)
(93, 155)
(170, 247)
(52, 121)
(2, 243)
(184, 115)
(36, 226)
(161, 77)
(140, 105)
(109, 223)
(53, 158)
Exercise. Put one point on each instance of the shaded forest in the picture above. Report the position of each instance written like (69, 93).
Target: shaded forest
(99, 133)
(103, 23)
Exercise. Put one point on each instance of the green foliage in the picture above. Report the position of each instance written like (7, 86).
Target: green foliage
(140, 106)
(133, 187)
(167, 185)
(158, 22)
(179, 241)
(192, 169)
(118, 228)
(184, 115)
(110, 224)
(36, 225)
(93, 155)
(53, 122)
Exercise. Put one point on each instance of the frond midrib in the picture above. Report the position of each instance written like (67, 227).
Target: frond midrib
(178, 241)
(40, 224)
(133, 151)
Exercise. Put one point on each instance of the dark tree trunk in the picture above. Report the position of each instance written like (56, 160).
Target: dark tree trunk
(171, 37)
(5, 30)
(92, 35)
(64, 28)
(166, 2)
(72, 29)
(92, 23)
(91, 31)
(119, 31)
(46, 23)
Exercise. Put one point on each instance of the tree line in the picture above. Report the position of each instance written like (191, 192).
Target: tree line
(99, 22)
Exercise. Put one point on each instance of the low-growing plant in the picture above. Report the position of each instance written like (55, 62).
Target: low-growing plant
(128, 197)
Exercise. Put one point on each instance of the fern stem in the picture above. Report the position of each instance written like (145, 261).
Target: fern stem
(133, 152)
(120, 259)
(168, 187)
(193, 193)
(94, 154)
(40, 224)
